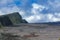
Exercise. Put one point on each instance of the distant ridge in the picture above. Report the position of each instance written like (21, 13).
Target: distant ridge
(50, 23)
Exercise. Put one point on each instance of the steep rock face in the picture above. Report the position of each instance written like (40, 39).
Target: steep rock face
(11, 19)
(5, 21)
(15, 18)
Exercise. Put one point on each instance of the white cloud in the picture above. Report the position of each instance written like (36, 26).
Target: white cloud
(50, 16)
(36, 8)
(53, 17)
(45, 17)
(33, 18)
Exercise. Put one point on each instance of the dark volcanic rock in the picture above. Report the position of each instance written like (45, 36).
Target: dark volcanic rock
(11, 19)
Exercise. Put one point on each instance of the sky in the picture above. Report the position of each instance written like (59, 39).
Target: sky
(34, 11)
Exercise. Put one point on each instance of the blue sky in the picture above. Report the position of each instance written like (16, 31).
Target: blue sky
(34, 11)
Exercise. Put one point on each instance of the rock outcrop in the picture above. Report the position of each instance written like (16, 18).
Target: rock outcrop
(11, 19)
